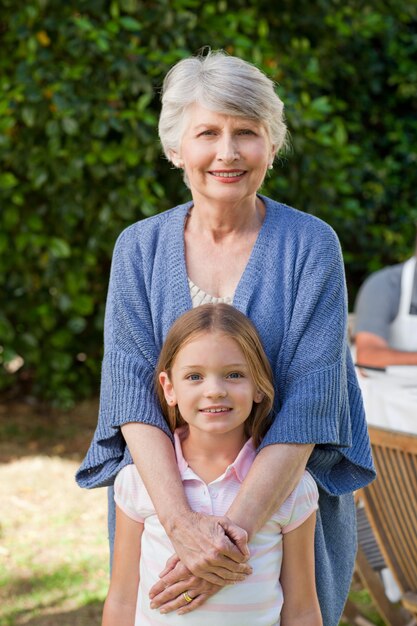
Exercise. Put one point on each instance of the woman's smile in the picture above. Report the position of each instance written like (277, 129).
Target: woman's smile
(220, 152)
(228, 176)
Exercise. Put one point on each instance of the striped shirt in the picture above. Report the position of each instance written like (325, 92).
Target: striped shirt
(258, 600)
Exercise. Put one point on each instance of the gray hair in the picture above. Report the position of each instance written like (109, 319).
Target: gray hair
(224, 84)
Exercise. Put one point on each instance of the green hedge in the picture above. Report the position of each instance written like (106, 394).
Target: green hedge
(80, 158)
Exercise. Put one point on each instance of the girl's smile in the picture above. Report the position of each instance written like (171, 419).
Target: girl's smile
(212, 385)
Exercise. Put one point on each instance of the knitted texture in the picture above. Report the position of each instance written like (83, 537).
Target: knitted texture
(293, 289)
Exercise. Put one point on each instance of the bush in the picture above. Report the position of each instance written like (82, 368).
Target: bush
(81, 160)
(350, 86)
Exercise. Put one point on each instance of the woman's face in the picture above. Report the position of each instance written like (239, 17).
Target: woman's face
(225, 157)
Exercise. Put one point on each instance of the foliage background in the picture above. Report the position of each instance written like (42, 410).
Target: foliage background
(80, 158)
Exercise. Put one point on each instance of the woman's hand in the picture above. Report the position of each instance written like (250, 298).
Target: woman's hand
(176, 580)
(212, 548)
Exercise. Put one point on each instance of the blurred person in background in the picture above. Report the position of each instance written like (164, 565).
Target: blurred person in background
(386, 317)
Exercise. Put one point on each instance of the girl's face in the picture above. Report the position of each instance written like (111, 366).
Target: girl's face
(211, 384)
(225, 157)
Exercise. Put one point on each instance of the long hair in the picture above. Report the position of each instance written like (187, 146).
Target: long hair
(225, 319)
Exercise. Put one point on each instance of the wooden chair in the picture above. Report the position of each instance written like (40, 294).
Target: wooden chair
(368, 567)
(391, 507)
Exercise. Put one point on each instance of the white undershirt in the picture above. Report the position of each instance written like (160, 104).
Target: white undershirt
(198, 296)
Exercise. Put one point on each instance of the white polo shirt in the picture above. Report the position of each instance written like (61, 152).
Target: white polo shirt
(257, 600)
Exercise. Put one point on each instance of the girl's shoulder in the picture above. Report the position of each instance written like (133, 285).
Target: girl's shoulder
(299, 505)
(130, 494)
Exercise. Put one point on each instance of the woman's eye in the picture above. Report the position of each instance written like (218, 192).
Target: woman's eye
(207, 133)
(246, 131)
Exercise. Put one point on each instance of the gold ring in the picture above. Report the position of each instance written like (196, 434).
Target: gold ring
(187, 597)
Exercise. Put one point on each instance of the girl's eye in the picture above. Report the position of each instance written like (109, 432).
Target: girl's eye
(235, 375)
(194, 377)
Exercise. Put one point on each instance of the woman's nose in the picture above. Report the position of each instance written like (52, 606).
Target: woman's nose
(228, 149)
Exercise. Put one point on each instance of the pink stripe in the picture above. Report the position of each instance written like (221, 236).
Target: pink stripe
(241, 608)
(261, 551)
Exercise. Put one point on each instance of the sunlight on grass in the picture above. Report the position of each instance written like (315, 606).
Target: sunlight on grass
(53, 546)
(63, 587)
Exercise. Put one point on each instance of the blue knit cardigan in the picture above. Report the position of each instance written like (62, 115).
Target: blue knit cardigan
(293, 289)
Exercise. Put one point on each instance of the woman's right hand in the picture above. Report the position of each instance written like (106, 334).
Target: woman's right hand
(212, 548)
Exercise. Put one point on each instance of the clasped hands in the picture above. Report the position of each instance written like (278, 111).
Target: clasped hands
(211, 552)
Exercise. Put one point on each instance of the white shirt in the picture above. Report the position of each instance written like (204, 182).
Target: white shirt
(403, 330)
(256, 601)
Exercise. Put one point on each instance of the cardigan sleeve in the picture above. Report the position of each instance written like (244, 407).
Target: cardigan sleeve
(318, 398)
(130, 356)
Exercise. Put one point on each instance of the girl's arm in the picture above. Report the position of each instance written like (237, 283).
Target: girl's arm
(301, 606)
(199, 540)
(120, 604)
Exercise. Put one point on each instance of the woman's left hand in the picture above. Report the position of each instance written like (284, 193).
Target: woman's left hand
(176, 582)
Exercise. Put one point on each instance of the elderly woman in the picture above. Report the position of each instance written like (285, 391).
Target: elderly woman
(222, 125)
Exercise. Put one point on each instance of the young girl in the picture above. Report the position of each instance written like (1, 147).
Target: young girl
(214, 383)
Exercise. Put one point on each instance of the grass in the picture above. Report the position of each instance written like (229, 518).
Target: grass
(53, 535)
(53, 545)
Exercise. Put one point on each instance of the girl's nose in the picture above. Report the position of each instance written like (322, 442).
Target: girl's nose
(215, 390)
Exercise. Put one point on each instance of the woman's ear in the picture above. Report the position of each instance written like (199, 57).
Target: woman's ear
(168, 388)
(175, 158)
(272, 157)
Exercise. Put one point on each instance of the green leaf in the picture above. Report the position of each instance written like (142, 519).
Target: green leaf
(83, 24)
(4, 242)
(61, 362)
(322, 105)
(340, 134)
(59, 248)
(61, 338)
(29, 116)
(129, 23)
(8, 180)
(77, 324)
(99, 128)
(11, 217)
(70, 125)
(34, 223)
(83, 304)
(39, 178)
(6, 329)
